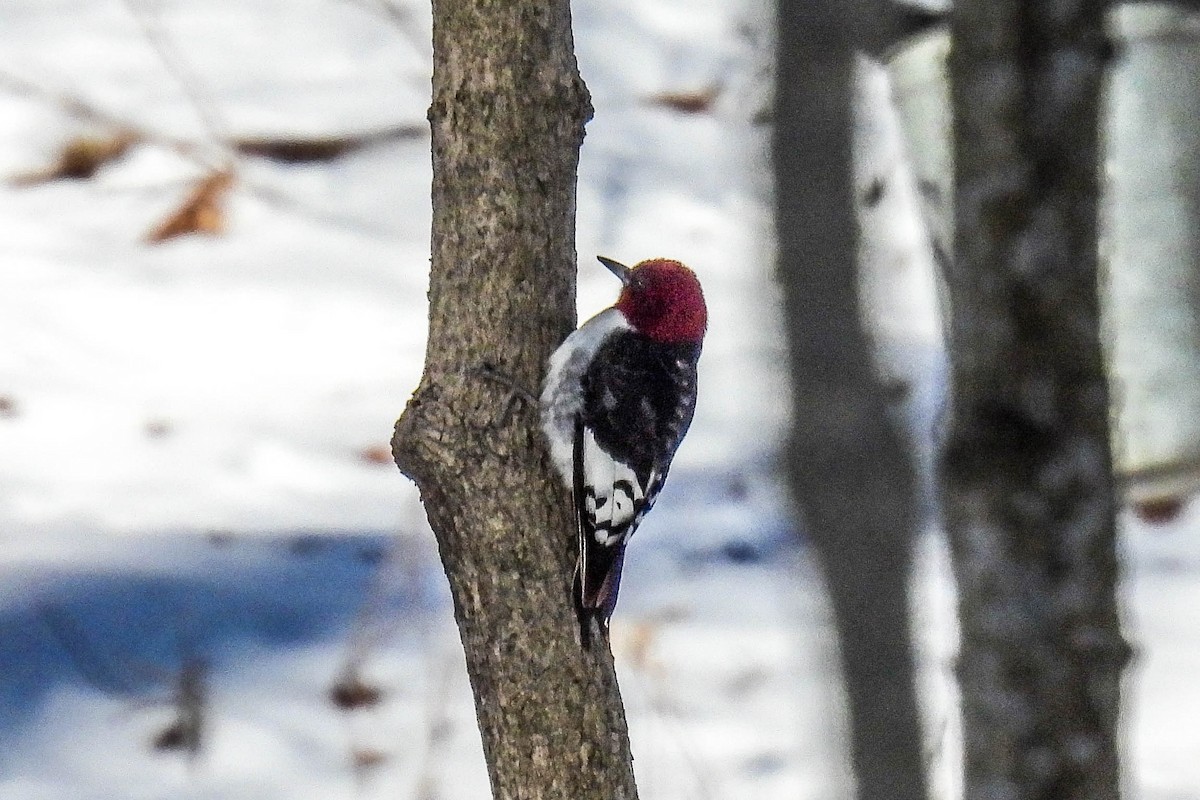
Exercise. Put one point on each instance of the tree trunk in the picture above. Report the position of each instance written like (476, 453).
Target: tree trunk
(848, 466)
(1027, 467)
(507, 119)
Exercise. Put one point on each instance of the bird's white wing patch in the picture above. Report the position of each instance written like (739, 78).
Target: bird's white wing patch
(613, 497)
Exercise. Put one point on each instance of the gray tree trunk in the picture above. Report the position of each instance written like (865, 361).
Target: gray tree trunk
(848, 466)
(1027, 468)
(507, 120)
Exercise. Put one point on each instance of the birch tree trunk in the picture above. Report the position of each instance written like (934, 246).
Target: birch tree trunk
(507, 121)
(1027, 467)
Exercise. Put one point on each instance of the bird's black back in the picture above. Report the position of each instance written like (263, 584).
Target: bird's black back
(639, 396)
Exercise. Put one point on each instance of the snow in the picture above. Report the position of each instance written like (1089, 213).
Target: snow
(189, 470)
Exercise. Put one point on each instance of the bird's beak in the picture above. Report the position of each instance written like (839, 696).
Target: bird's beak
(622, 272)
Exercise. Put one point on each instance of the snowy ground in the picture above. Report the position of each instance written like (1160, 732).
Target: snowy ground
(190, 480)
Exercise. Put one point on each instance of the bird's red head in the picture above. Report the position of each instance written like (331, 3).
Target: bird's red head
(661, 299)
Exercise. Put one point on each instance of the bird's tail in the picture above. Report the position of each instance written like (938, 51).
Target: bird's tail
(597, 581)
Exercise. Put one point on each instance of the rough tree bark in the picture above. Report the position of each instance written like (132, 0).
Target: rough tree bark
(1027, 467)
(849, 468)
(507, 120)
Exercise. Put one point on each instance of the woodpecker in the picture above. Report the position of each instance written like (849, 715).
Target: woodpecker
(618, 399)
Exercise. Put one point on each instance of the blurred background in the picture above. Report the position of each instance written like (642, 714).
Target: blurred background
(213, 581)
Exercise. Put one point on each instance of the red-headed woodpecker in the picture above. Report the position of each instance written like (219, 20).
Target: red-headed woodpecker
(616, 403)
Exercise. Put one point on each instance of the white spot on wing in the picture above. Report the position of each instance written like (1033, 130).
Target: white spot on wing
(617, 493)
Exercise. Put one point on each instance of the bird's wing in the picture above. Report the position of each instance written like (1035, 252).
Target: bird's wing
(610, 501)
(637, 403)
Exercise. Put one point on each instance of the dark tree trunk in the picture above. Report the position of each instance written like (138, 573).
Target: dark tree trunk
(507, 119)
(1027, 467)
(848, 466)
